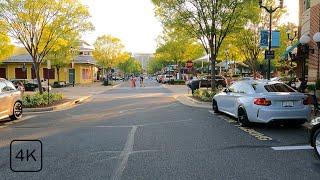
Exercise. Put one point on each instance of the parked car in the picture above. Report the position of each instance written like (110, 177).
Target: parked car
(262, 101)
(10, 101)
(195, 84)
(32, 85)
(315, 135)
(166, 78)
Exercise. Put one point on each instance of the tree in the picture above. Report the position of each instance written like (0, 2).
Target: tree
(63, 52)
(210, 21)
(177, 48)
(6, 48)
(39, 25)
(109, 51)
(130, 66)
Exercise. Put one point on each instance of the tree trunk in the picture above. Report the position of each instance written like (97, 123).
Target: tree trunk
(213, 67)
(58, 73)
(37, 71)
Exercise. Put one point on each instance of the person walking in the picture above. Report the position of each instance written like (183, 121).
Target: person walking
(141, 81)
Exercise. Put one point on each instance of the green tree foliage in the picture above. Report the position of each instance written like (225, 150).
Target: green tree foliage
(109, 51)
(176, 47)
(64, 52)
(210, 21)
(6, 48)
(130, 66)
(39, 25)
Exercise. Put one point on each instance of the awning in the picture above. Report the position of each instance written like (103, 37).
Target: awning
(286, 53)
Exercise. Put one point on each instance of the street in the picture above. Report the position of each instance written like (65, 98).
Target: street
(145, 133)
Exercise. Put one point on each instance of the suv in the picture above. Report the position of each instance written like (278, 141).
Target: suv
(10, 101)
(221, 82)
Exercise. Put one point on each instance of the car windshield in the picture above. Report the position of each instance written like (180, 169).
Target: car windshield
(278, 87)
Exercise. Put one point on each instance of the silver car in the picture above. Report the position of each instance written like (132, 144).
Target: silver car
(10, 101)
(262, 101)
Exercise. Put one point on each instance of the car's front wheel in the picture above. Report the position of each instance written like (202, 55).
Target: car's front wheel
(215, 106)
(17, 111)
(243, 117)
(316, 142)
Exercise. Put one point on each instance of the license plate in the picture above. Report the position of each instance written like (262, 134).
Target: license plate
(287, 103)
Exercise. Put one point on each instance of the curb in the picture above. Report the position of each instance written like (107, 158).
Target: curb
(184, 99)
(58, 107)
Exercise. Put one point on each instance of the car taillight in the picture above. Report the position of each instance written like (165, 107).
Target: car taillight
(307, 101)
(262, 102)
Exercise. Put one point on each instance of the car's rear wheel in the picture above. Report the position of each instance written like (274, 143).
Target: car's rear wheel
(243, 117)
(215, 106)
(17, 111)
(316, 142)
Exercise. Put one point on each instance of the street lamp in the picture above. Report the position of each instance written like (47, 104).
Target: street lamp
(270, 10)
(304, 41)
(316, 38)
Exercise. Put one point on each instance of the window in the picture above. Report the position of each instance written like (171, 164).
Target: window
(33, 73)
(278, 87)
(3, 73)
(86, 74)
(51, 73)
(2, 85)
(307, 4)
(20, 74)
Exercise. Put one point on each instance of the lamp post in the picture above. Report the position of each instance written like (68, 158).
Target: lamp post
(270, 10)
(48, 74)
(304, 40)
(316, 38)
(291, 37)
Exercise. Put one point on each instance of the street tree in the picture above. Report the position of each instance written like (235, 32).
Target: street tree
(210, 21)
(130, 66)
(64, 52)
(177, 47)
(39, 25)
(6, 48)
(109, 52)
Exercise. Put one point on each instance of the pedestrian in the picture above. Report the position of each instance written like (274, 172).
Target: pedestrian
(141, 81)
(20, 87)
(131, 81)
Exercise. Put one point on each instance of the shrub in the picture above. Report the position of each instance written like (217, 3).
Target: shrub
(40, 100)
(177, 82)
(311, 87)
(204, 95)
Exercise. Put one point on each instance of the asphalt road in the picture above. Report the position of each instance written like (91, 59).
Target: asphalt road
(145, 133)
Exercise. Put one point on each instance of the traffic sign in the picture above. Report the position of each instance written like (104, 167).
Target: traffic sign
(269, 54)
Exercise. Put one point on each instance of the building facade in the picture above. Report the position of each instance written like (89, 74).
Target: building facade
(81, 70)
(309, 24)
(144, 59)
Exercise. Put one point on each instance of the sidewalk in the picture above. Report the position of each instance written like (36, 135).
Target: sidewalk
(184, 96)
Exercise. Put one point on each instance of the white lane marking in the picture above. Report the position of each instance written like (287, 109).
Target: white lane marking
(142, 125)
(291, 148)
(124, 156)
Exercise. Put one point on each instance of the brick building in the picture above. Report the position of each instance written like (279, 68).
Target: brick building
(309, 24)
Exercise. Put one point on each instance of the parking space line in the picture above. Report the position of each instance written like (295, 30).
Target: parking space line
(259, 136)
(291, 148)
